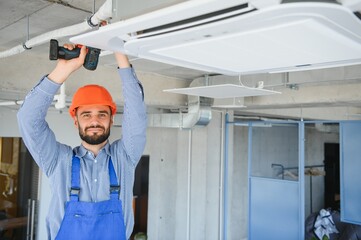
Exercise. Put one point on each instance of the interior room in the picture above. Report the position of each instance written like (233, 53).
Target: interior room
(253, 112)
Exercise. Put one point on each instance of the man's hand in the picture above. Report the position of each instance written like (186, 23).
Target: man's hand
(65, 68)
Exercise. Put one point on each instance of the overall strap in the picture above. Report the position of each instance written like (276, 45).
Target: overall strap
(114, 186)
(75, 179)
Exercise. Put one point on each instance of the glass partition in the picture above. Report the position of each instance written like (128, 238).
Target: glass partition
(350, 172)
(275, 205)
(295, 169)
(275, 151)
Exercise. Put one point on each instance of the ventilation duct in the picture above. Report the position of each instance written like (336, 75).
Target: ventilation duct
(199, 113)
(217, 37)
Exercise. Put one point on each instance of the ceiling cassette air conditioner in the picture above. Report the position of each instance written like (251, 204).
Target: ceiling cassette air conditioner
(238, 39)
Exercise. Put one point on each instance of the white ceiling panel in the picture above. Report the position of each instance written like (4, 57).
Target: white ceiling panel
(283, 37)
(223, 91)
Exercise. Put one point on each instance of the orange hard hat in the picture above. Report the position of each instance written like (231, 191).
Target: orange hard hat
(92, 95)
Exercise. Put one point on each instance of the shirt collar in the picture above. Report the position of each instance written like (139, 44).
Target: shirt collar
(81, 151)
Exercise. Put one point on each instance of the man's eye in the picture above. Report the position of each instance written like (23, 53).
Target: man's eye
(102, 115)
(86, 115)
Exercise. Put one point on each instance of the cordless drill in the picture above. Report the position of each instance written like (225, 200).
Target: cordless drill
(91, 58)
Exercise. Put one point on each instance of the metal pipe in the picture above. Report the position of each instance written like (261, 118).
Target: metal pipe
(223, 122)
(282, 168)
(27, 28)
(249, 169)
(32, 223)
(289, 168)
(225, 181)
(189, 183)
(301, 180)
(28, 225)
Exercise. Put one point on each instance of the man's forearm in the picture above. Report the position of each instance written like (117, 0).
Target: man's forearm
(122, 60)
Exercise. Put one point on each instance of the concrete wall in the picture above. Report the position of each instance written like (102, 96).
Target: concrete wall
(185, 182)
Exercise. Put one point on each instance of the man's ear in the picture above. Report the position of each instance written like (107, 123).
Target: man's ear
(75, 121)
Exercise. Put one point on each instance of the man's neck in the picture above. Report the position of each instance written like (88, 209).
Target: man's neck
(94, 148)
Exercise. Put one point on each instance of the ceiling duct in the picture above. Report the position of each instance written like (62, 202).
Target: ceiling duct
(233, 37)
(199, 113)
(199, 108)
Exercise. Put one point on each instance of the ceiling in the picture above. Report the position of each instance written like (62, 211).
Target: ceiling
(23, 20)
(333, 90)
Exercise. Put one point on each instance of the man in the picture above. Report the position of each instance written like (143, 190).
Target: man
(87, 202)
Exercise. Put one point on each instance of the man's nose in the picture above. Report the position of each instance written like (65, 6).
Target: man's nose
(94, 119)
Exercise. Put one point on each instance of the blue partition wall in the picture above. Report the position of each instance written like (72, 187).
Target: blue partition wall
(275, 195)
(276, 199)
(274, 209)
(351, 172)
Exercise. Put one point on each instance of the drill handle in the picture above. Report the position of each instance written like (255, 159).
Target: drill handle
(91, 59)
(67, 54)
(57, 52)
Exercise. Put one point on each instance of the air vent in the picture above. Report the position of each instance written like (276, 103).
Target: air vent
(223, 91)
(280, 38)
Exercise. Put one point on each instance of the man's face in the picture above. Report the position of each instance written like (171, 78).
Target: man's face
(93, 123)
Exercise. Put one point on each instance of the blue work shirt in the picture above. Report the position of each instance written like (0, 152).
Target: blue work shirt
(54, 158)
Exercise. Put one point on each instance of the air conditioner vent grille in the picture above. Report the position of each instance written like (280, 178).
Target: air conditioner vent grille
(199, 20)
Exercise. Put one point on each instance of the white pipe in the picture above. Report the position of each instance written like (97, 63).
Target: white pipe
(43, 38)
(13, 51)
(11, 103)
(62, 32)
(104, 13)
(60, 98)
(221, 166)
(189, 179)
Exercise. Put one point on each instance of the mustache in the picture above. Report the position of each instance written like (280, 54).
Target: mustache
(94, 126)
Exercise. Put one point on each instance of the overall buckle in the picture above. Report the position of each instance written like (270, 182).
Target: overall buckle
(114, 188)
(74, 191)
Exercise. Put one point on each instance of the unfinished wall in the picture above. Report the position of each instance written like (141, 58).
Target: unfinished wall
(184, 189)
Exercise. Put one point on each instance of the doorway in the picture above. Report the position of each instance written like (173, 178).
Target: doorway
(332, 177)
(19, 177)
(140, 198)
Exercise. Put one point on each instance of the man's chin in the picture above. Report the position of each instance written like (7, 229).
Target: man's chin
(94, 138)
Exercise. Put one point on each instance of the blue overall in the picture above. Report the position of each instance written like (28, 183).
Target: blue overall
(92, 220)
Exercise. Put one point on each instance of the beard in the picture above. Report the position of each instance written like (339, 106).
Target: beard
(94, 139)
